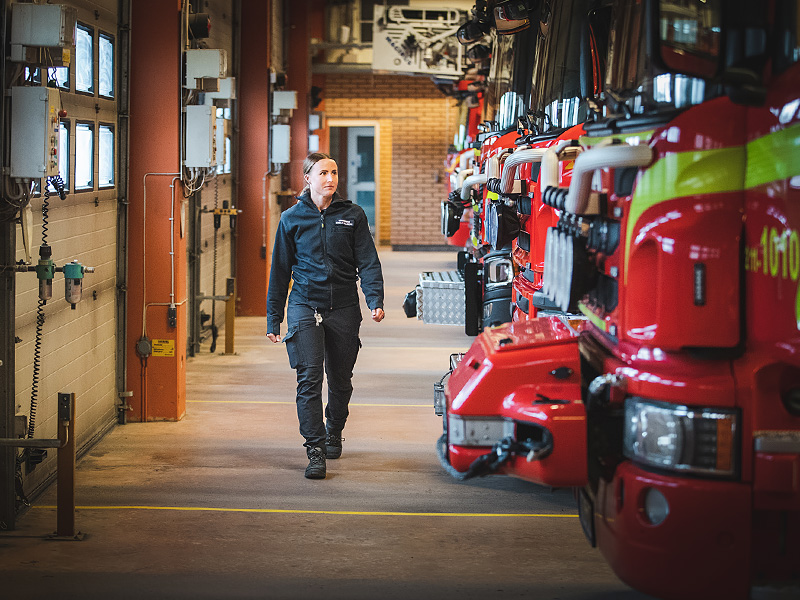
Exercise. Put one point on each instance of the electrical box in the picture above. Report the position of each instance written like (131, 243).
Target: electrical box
(36, 26)
(204, 67)
(201, 140)
(315, 121)
(281, 142)
(34, 132)
(283, 100)
(226, 90)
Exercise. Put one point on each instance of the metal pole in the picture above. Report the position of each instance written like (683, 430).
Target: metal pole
(230, 314)
(8, 462)
(65, 464)
(123, 132)
(65, 481)
(8, 251)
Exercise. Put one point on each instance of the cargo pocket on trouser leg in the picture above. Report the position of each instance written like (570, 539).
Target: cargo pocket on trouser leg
(305, 349)
(292, 348)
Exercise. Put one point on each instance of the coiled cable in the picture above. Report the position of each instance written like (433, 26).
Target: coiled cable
(217, 219)
(37, 345)
(28, 455)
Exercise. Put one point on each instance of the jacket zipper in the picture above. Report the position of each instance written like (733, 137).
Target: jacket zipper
(325, 257)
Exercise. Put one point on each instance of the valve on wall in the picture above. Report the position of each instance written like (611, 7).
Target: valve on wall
(46, 268)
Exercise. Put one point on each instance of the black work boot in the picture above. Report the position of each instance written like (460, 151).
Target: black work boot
(316, 463)
(333, 444)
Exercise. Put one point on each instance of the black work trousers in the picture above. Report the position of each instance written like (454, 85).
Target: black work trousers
(330, 344)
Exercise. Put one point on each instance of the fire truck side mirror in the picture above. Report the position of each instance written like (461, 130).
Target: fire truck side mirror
(687, 37)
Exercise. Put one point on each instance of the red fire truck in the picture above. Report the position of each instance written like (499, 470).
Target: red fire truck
(460, 160)
(566, 44)
(674, 409)
(488, 268)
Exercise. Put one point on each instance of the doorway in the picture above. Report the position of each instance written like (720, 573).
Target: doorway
(353, 148)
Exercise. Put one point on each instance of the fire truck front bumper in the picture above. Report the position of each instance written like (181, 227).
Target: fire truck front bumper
(541, 440)
(673, 537)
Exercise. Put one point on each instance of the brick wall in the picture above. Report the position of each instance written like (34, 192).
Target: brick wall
(416, 127)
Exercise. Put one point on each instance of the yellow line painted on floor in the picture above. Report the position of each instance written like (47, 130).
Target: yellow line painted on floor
(319, 512)
(293, 403)
(417, 348)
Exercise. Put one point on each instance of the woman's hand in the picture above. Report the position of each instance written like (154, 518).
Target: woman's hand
(378, 314)
(274, 338)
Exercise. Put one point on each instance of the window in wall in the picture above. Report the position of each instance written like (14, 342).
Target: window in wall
(84, 59)
(105, 76)
(58, 76)
(367, 15)
(33, 75)
(84, 156)
(224, 152)
(63, 152)
(227, 165)
(105, 156)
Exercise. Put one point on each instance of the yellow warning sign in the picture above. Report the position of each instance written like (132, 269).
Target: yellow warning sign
(163, 347)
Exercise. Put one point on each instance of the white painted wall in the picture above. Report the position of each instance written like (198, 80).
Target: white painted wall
(78, 346)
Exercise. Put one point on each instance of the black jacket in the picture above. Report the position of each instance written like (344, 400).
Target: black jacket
(325, 253)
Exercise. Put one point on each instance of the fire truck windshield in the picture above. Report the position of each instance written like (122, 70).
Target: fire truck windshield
(573, 38)
(510, 74)
(634, 84)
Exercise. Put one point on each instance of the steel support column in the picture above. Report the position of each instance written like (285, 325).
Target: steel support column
(123, 130)
(8, 246)
(252, 267)
(158, 382)
(7, 367)
(300, 15)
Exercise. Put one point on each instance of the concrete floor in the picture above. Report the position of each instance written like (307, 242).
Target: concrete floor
(216, 505)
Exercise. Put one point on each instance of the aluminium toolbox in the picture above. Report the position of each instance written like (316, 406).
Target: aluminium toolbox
(440, 297)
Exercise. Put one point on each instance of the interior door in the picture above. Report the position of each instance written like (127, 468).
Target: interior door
(361, 170)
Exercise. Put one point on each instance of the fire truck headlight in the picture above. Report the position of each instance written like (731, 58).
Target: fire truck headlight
(477, 431)
(681, 438)
(499, 272)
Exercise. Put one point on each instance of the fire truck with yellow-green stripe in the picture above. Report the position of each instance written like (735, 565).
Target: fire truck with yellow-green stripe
(673, 406)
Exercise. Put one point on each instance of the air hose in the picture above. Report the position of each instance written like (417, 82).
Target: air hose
(480, 467)
(37, 346)
(34, 456)
(500, 453)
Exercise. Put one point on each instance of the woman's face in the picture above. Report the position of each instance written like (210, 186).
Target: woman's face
(323, 179)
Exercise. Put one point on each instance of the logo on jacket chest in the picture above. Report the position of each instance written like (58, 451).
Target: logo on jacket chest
(344, 222)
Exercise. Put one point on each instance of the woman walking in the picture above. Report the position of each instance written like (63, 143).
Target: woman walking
(323, 244)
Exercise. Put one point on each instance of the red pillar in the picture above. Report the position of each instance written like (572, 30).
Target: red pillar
(252, 267)
(302, 16)
(159, 381)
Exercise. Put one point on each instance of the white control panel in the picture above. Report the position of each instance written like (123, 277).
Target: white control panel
(35, 26)
(34, 132)
(281, 143)
(205, 63)
(201, 124)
